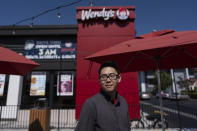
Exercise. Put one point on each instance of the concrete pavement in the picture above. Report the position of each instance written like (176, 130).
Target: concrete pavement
(170, 129)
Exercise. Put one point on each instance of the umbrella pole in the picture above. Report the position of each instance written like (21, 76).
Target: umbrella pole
(160, 98)
(177, 104)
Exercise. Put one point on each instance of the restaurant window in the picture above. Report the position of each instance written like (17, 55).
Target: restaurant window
(64, 85)
(35, 86)
(3, 88)
(62, 94)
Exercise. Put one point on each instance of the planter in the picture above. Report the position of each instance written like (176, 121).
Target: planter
(39, 120)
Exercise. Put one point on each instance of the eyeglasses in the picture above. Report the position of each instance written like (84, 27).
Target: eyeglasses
(111, 76)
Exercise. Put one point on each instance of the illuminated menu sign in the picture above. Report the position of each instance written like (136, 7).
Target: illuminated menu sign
(65, 84)
(38, 84)
(50, 49)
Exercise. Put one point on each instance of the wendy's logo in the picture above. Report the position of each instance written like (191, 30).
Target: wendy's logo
(122, 13)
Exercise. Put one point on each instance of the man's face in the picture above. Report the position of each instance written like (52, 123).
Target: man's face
(109, 79)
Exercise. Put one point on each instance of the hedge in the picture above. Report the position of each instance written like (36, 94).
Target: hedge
(193, 95)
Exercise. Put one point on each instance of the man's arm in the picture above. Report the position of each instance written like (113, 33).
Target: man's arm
(87, 118)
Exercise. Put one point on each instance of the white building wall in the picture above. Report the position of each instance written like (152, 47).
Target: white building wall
(14, 90)
(13, 97)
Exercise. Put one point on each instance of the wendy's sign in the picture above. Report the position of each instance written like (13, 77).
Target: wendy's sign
(106, 14)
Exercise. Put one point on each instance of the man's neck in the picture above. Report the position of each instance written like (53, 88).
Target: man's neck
(112, 95)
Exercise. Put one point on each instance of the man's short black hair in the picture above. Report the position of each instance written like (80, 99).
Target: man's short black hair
(109, 64)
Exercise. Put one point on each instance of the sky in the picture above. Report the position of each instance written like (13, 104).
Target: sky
(179, 15)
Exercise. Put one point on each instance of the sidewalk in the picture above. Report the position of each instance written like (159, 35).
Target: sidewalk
(170, 129)
(71, 129)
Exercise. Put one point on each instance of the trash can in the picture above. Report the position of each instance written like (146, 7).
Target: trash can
(40, 116)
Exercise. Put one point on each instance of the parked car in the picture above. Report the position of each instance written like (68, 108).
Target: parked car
(164, 94)
(145, 95)
(179, 96)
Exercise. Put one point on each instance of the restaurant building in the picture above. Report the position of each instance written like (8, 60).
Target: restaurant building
(64, 76)
(54, 48)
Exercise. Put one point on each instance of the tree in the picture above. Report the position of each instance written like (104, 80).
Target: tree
(166, 81)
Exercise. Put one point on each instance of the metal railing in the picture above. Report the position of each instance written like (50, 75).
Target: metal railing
(64, 117)
(13, 117)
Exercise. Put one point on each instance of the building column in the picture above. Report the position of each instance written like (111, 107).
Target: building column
(173, 80)
(187, 73)
(14, 90)
(51, 87)
(142, 81)
(13, 97)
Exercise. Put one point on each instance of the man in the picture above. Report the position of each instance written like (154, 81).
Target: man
(107, 110)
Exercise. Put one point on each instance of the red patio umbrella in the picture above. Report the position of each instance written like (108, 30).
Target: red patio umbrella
(13, 63)
(158, 50)
(170, 49)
